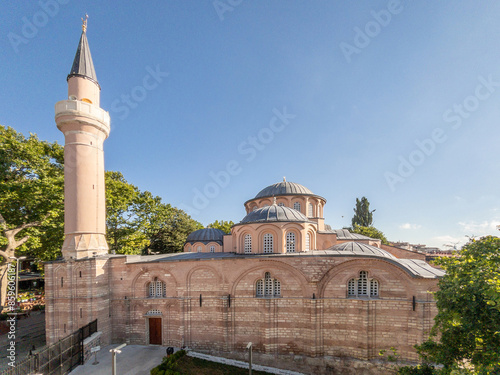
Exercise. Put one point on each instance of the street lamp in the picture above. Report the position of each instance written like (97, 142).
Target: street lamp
(17, 272)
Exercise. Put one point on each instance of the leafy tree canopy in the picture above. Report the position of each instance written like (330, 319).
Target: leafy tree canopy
(362, 214)
(466, 334)
(370, 232)
(223, 225)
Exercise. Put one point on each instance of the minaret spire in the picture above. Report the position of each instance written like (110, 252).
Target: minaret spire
(82, 64)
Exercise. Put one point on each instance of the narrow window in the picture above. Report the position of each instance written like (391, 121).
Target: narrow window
(351, 288)
(248, 243)
(62, 282)
(373, 288)
(80, 273)
(212, 249)
(290, 242)
(310, 210)
(308, 242)
(363, 284)
(268, 243)
(254, 208)
(268, 285)
(152, 289)
(296, 206)
(81, 313)
(281, 204)
(277, 288)
(259, 289)
(198, 249)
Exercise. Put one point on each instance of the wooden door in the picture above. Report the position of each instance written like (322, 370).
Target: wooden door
(155, 331)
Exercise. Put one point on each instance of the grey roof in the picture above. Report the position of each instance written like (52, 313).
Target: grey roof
(206, 235)
(361, 249)
(284, 188)
(344, 234)
(82, 64)
(414, 267)
(274, 213)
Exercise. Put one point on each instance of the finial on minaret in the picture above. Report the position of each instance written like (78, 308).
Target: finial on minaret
(284, 179)
(84, 23)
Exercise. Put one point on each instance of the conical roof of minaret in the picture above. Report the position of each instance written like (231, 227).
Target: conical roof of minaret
(83, 65)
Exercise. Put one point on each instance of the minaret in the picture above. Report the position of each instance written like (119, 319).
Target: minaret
(85, 126)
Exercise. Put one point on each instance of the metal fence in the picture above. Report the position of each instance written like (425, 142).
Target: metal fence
(56, 359)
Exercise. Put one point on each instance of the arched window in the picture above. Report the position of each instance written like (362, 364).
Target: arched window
(156, 289)
(248, 243)
(308, 241)
(268, 243)
(268, 287)
(198, 249)
(189, 249)
(281, 204)
(290, 242)
(310, 210)
(254, 208)
(363, 286)
(296, 206)
(212, 249)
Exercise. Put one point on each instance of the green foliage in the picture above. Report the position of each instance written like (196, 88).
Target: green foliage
(31, 191)
(362, 214)
(466, 334)
(371, 232)
(223, 225)
(169, 364)
(424, 369)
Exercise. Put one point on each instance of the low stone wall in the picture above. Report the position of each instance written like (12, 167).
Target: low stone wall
(316, 366)
(89, 343)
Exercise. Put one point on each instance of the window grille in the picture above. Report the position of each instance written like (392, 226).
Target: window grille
(308, 242)
(153, 312)
(260, 288)
(290, 242)
(248, 243)
(373, 288)
(268, 243)
(363, 286)
(268, 287)
(157, 289)
(351, 288)
(310, 210)
(296, 206)
(212, 249)
(198, 249)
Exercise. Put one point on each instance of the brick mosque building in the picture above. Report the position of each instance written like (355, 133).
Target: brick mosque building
(304, 294)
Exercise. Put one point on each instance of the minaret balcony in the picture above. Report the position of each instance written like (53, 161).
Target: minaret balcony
(79, 108)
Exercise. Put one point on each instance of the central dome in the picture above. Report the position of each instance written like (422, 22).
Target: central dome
(274, 213)
(284, 188)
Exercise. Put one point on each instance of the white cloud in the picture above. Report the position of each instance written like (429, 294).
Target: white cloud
(450, 241)
(479, 229)
(409, 226)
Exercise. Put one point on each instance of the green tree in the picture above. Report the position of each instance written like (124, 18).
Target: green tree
(223, 225)
(362, 214)
(370, 232)
(31, 198)
(466, 333)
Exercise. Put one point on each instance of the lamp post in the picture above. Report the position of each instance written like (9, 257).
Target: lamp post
(113, 359)
(17, 272)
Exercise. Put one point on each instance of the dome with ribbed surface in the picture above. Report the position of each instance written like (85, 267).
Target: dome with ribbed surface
(284, 188)
(274, 213)
(205, 236)
(357, 248)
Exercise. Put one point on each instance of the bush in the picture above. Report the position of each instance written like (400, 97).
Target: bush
(168, 365)
(424, 369)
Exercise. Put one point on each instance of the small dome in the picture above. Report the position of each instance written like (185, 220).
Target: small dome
(274, 213)
(284, 188)
(206, 235)
(357, 248)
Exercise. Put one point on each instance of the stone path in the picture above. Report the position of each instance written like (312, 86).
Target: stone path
(29, 331)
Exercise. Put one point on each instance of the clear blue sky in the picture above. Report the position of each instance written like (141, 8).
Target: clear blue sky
(357, 85)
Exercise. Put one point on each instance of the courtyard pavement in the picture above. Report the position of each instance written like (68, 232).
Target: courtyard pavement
(133, 360)
(29, 331)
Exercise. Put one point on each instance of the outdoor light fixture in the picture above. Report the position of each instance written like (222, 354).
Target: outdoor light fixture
(17, 272)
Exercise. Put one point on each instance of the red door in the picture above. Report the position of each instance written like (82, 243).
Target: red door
(155, 331)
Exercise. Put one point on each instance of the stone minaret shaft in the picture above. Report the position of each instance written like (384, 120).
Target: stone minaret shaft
(85, 126)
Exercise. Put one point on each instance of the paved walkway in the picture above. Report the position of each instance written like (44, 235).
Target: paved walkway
(29, 331)
(133, 360)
